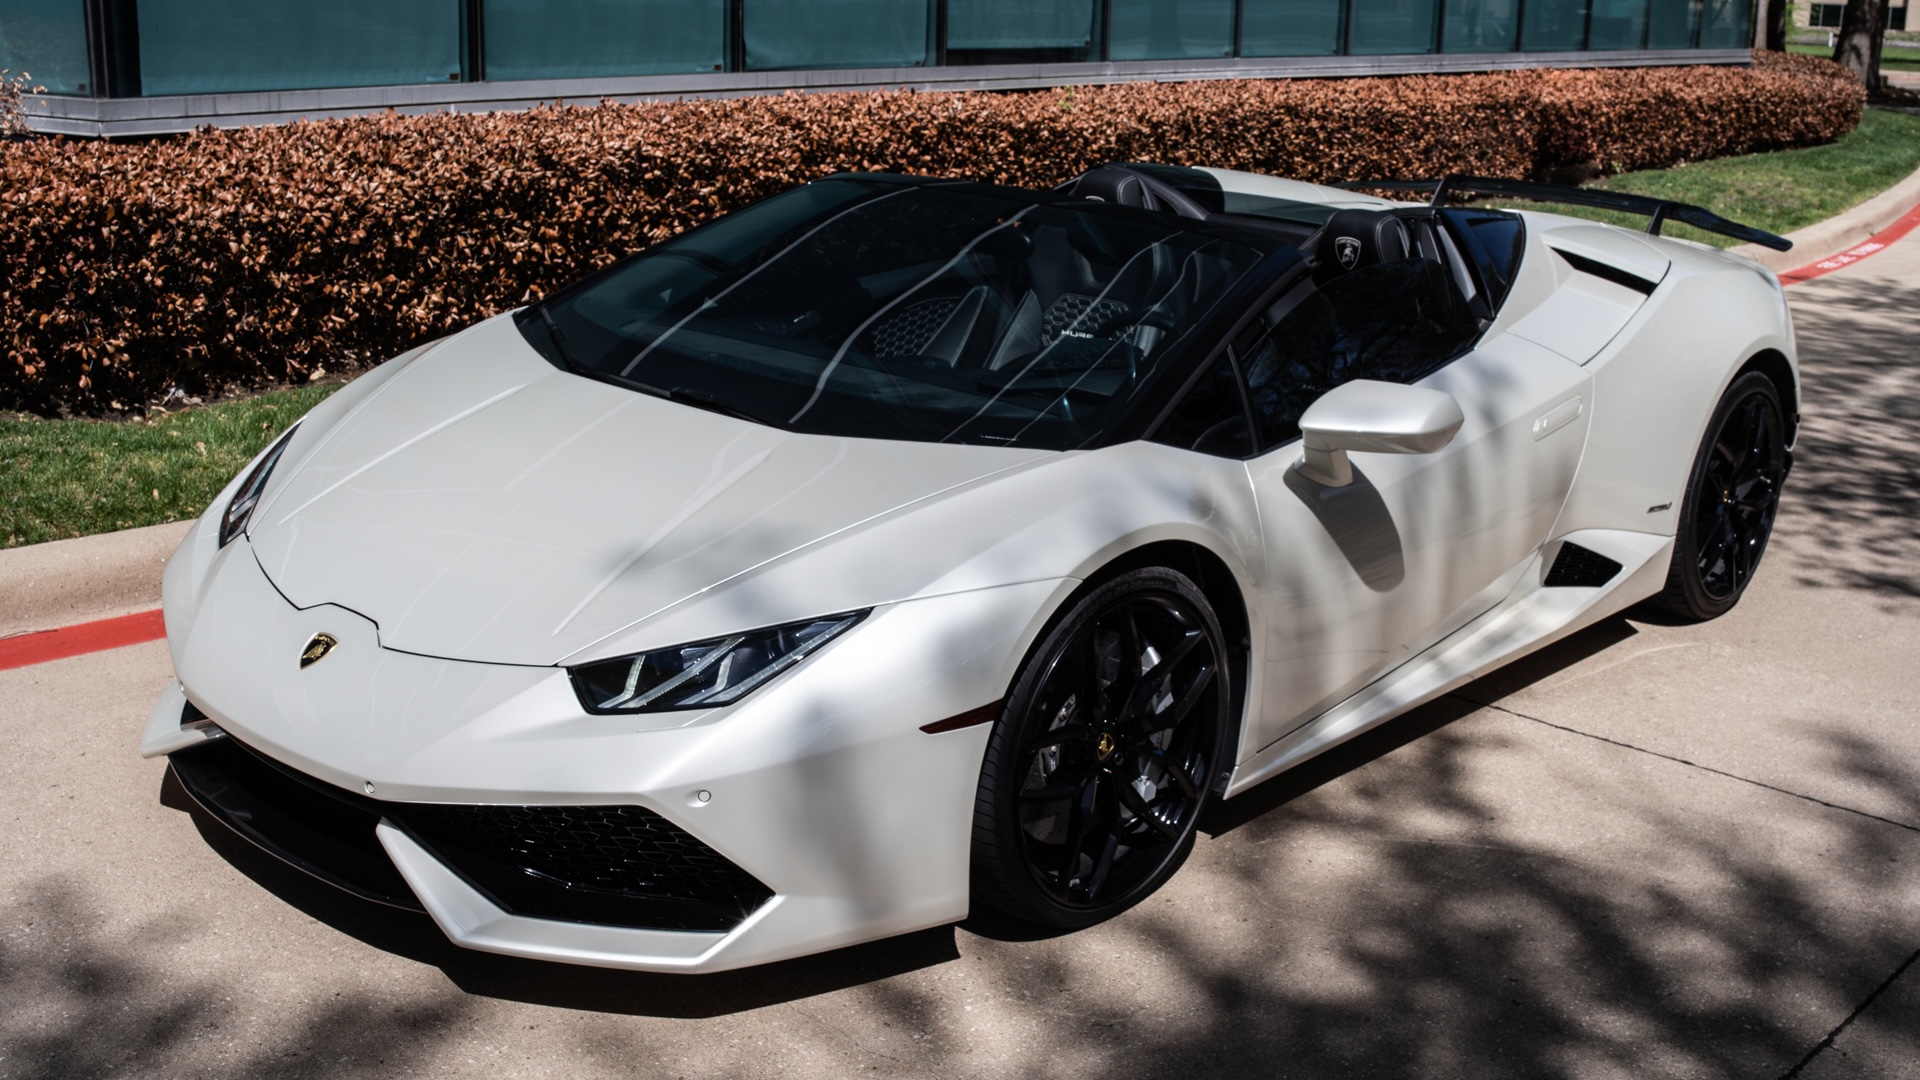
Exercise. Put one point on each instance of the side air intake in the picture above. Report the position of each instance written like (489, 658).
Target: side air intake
(1578, 568)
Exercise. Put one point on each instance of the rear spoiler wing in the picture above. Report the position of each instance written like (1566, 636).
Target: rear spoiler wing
(1660, 210)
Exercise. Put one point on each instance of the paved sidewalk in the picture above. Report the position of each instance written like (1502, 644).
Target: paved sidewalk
(1652, 851)
(43, 586)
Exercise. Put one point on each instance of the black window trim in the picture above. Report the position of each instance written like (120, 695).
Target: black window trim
(1223, 345)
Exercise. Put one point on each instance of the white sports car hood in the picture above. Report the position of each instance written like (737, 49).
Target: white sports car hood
(482, 505)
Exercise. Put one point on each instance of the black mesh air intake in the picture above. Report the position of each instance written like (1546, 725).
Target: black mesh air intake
(1576, 567)
(621, 865)
(297, 819)
(614, 865)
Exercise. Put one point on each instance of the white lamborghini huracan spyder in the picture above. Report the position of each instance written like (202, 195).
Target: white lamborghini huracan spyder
(896, 545)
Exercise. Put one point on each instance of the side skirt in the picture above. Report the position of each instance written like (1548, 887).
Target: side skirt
(1530, 618)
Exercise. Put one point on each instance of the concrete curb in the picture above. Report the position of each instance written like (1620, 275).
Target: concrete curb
(43, 586)
(1838, 233)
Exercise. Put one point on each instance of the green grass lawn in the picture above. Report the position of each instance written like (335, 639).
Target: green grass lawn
(1784, 190)
(1891, 59)
(64, 478)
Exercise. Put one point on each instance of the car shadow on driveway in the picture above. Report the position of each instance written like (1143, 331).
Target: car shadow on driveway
(567, 986)
(414, 936)
(1223, 818)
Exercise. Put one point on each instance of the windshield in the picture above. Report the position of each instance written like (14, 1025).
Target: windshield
(884, 310)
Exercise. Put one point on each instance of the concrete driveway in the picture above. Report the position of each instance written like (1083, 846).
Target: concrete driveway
(1653, 851)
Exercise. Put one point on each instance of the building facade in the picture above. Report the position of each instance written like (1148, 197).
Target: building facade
(125, 67)
(1827, 16)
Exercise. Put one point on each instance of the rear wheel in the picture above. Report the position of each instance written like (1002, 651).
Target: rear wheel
(1107, 752)
(1732, 497)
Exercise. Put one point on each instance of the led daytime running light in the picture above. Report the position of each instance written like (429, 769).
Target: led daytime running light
(233, 521)
(703, 674)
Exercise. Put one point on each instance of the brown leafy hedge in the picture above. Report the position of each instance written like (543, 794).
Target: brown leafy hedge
(255, 256)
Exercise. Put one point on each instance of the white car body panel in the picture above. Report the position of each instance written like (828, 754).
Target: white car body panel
(424, 512)
(467, 520)
(1364, 570)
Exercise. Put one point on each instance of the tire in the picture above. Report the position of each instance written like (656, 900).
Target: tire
(1732, 496)
(1098, 770)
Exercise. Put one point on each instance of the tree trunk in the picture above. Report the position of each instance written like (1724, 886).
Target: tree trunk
(1863, 26)
(1770, 25)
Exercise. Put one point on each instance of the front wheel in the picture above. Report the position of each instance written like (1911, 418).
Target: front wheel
(1107, 752)
(1732, 496)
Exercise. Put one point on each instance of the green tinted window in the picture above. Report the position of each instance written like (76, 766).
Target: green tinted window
(1618, 24)
(47, 39)
(1169, 29)
(1671, 24)
(215, 46)
(1724, 25)
(571, 39)
(1019, 24)
(1554, 26)
(1480, 26)
(835, 33)
(1382, 27)
(1289, 27)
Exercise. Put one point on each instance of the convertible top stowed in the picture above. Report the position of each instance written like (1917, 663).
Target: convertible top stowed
(897, 547)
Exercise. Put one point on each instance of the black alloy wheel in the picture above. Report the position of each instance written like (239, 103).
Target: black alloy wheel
(1107, 752)
(1732, 497)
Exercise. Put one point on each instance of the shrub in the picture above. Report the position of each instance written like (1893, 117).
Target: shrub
(13, 102)
(256, 256)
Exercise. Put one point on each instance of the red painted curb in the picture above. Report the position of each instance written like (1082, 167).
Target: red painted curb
(45, 645)
(1875, 243)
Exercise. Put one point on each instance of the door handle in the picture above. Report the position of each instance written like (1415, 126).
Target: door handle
(1556, 418)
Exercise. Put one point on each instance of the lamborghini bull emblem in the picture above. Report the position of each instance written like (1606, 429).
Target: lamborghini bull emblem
(1347, 250)
(318, 646)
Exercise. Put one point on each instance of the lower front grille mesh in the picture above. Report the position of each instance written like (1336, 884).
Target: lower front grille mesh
(613, 865)
(575, 861)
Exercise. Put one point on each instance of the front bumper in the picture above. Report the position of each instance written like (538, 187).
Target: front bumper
(820, 789)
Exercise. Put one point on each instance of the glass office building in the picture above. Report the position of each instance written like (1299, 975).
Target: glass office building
(123, 63)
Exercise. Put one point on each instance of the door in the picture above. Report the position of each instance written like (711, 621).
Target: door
(1357, 578)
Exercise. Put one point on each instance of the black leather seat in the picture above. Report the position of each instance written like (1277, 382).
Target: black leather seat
(1352, 239)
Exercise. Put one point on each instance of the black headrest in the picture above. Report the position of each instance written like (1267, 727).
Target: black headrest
(1121, 186)
(1117, 186)
(1355, 238)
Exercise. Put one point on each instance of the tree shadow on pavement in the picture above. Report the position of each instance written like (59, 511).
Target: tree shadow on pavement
(1460, 893)
(1854, 495)
(1381, 741)
(68, 985)
(1452, 941)
(569, 986)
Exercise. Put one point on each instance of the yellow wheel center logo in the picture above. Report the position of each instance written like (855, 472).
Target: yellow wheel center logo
(1107, 745)
(318, 646)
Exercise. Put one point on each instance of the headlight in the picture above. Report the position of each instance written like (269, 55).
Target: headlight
(233, 522)
(705, 674)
